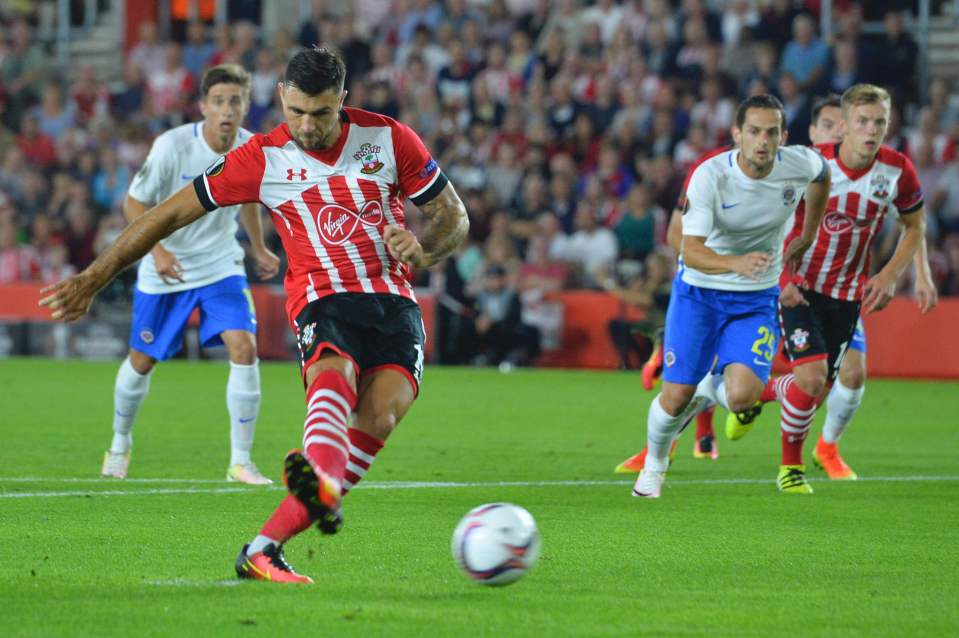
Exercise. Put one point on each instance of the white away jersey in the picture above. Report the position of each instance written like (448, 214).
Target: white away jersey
(207, 248)
(738, 214)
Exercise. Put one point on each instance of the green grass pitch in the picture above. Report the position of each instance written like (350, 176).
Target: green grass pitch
(721, 554)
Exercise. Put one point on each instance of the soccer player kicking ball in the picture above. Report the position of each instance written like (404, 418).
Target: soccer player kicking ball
(199, 266)
(334, 179)
(821, 306)
(723, 308)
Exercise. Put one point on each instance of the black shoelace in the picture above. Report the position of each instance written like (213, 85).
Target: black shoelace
(277, 559)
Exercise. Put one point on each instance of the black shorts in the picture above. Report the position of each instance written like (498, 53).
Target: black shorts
(374, 331)
(821, 330)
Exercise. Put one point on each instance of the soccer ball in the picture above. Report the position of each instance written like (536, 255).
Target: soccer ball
(496, 543)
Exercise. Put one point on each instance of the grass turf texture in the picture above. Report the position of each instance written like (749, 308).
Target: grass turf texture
(869, 558)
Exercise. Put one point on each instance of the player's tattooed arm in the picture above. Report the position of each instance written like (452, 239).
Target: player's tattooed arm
(71, 298)
(446, 226)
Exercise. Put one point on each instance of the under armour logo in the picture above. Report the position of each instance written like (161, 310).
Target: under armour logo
(291, 173)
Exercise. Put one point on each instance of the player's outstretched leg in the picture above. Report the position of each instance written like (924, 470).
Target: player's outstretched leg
(798, 411)
(705, 446)
(363, 450)
(315, 475)
(841, 404)
(662, 429)
(129, 391)
(243, 405)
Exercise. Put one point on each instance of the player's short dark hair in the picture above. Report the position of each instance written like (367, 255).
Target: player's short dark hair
(316, 70)
(824, 102)
(763, 101)
(225, 74)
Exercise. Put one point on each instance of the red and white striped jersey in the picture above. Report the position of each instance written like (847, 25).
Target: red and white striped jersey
(837, 264)
(330, 207)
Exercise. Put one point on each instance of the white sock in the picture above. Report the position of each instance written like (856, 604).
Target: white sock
(713, 389)
(841, 406)
(661, 429)
(243, 404)
(259, 543)
(129, 391)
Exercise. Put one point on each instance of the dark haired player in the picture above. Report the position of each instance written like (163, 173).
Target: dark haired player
(334, 179)
(721, 324)
(197, 267)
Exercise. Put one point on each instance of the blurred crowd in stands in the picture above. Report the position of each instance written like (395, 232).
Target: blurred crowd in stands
(566, 126)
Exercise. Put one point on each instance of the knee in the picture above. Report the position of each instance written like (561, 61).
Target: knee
(812, 384)
(742, 392)
(380, 424)
(675, 398)
(243, 351)
(853, 378)
(141, 362)
(740, 401)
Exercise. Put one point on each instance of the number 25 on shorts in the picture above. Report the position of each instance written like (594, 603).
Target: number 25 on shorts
(765, 345)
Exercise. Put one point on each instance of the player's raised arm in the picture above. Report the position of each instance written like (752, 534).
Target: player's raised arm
(70, 299)
(881, 287)
(446, 227)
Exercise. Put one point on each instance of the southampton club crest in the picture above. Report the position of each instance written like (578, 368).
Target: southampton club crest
(789, 195)
(800, 340)
(880, 186)
(307, 337)
(369, 156)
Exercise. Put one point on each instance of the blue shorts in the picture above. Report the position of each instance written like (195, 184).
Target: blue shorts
(159, 321)
(859, 338)
(705, 325)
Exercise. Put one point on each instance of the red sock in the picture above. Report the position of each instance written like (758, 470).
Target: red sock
(798, 411)
(288, 520)
(330, 401)
(704, 423)
(775, 389)
(363, 450)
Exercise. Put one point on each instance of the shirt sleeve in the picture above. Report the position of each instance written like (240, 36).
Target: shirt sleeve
(818, 168)
(420, 177)
(908, 189)
(698, 211)
(154, 177)
(233, 179)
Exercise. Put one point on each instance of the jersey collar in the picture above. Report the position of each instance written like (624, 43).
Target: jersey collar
(328, 156)
(852, 173)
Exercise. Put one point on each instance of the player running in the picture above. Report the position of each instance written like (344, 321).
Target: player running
(705, 445)
(721, 322)
(334, 179)
(820, 307)
(200, 266)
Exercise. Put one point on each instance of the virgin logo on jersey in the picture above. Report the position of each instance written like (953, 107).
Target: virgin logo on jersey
(835, 223)
(337, 224)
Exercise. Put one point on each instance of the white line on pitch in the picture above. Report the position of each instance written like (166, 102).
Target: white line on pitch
(413, 485)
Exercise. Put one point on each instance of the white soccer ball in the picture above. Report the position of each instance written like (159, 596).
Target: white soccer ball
(496, 543)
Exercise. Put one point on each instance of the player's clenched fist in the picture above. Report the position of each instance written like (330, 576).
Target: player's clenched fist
(69, 299)
(403, 245)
